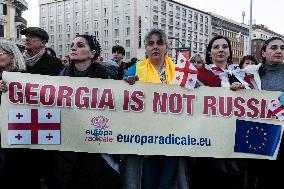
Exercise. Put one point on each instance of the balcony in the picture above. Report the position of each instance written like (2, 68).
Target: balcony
(21, 4)
(20, 22)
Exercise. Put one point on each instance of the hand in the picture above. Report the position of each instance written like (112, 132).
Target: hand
(131, 79)
(3, 86)
(236, 85)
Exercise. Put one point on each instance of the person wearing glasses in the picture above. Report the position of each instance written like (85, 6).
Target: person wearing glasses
(11, 60)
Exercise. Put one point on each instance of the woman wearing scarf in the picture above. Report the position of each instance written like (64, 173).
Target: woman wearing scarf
(270, 174)
(220, 72)
(83, 170)
(11, 60)
(152, 172)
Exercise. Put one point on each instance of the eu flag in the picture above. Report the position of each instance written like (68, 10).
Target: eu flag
(256, 138)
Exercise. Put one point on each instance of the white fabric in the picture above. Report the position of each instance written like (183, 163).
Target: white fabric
(277, 109)
(24, 137)
(179, 75)
(253, 69)
(223, 74)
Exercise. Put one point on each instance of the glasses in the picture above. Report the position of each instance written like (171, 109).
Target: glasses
(2, 53)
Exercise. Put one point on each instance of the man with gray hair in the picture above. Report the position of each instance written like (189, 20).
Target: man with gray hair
(36, 57)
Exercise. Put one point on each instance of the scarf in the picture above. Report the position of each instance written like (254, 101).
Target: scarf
(232, 74)
(147, 72)
(31, 61)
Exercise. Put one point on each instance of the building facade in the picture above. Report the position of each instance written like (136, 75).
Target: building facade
(260, 34)
(236, 32)
(11, 20)
(124, 22)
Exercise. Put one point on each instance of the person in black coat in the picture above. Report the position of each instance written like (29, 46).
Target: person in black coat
(37, 59)
(76, 169)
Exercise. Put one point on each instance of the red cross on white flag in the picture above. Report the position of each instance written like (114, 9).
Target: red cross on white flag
(34, 126)
(277, 109)
(185, 74)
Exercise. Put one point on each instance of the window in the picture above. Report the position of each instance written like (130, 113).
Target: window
(87, 15)
(68, 17)
(1, 30)
(68, 37)
(77, 26)
(128, 31)
(51, 28)
(106, 33)
(52, 38)
(60, 37)
(127, 43)
(68, 27)
(106, 45)
(60, 48)
(51, 20)
(127, 55)
(77, 15)
(43, 20)
(127, 20)
(86, 25)
(106, 23)
(116, 21)
(116, 32)
(59, 28)
(96, 24)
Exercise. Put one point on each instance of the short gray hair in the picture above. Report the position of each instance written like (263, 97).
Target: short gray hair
(18, 63)
(159, 32)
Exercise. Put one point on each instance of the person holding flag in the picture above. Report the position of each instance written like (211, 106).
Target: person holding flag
(153, 172)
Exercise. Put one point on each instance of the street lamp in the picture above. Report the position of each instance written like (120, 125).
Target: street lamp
(176, 38)
(239, 45)
(178, 48)
(250, 28)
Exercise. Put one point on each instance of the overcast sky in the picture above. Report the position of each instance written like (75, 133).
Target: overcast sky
(266, 12)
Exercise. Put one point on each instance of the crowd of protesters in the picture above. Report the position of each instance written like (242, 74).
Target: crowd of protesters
(26, 168)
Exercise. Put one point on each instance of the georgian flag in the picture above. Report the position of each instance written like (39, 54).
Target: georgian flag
(185, 74)
(277, 109)
(34, 126)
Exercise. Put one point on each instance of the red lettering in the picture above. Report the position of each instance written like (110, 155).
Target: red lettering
(29, 93)
(160, 102)
(107, 100)
(82, 101)
(263, 109)
(136, 98)
(210, 105)
(47, 95)
(94, 100)
(175, 103)
(251, 104)
(64, 94)
(228, 102)
(126, 100)
(16, 96)
(189, 103)
(238, 105)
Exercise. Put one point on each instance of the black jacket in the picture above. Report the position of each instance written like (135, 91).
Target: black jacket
(46, 65)
(82, 170)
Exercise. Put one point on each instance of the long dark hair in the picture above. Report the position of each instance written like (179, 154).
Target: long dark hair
(93, 43)
(261, 70)
(209, 47)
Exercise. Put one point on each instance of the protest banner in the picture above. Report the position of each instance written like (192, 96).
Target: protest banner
(109, 116)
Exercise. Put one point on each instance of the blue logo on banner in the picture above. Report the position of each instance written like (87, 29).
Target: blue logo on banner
(256, 138)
